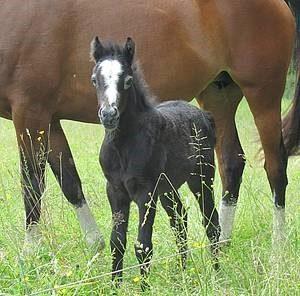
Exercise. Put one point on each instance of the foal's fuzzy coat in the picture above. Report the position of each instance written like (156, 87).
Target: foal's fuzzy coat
(173, 138)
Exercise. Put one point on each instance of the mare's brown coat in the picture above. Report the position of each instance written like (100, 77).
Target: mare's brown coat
(182, 46)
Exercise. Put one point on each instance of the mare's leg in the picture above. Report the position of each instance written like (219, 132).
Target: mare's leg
(178, 221)
(265, 104)
(120, 203)
(202, 187)
(262, 77)
(32, 136)
(62, 164)
(222, 103)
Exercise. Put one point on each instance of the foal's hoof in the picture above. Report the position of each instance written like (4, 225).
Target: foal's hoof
(116, 282)
(183, 263)
(215, 252)
(216, 265)
(224, 242)
(32, 241)
(145, 286)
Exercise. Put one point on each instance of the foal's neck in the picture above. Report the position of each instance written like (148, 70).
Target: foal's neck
(137, 105)
(138, 102)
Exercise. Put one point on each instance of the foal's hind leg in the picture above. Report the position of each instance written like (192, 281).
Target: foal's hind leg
(202, 188)
(222, 103)
(178, 221)
(63, 166)
(32, 135)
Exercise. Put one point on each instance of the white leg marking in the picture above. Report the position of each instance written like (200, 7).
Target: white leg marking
(32, 239)
(278, 227)
(278, 241)
(89, 227)
(226, 219)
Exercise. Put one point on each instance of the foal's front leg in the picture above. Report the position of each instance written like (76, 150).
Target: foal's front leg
(120, 203)
(143, 248)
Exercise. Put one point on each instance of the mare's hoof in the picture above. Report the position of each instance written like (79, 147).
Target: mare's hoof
(31, 249)
(32, 241)
(95, 241)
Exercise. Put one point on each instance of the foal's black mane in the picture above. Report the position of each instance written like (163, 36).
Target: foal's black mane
(144, 98)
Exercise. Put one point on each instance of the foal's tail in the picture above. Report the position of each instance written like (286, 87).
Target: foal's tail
(211, 128)
(291, 122)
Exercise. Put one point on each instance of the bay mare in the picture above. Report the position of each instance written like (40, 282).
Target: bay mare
(215, 50)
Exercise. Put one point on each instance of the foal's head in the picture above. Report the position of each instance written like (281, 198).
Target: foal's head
(112, 78)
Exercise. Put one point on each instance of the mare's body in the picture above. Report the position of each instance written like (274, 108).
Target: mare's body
(44, 77)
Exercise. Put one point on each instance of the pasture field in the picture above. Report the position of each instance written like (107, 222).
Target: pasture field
(64, 266)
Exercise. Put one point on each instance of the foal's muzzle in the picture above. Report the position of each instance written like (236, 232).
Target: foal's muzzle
(109, 117)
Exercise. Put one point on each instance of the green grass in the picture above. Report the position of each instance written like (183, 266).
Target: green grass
(65, 260)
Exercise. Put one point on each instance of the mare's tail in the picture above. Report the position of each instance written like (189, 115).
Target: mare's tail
(291, 122)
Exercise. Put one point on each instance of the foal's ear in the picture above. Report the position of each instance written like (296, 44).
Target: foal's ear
(97, 49)
(129, 50)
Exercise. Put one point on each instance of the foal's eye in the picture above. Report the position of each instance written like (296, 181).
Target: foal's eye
(127, 82)
(94, 82)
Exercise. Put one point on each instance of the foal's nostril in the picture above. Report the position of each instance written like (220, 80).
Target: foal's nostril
(103, 113)
(108, 115)
(114, 111)
(99, 114)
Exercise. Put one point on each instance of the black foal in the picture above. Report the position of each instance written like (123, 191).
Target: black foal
(145, 147)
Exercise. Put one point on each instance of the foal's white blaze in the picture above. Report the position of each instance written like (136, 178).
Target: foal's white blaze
(226, 219)
(89, 227)
(111, 70)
